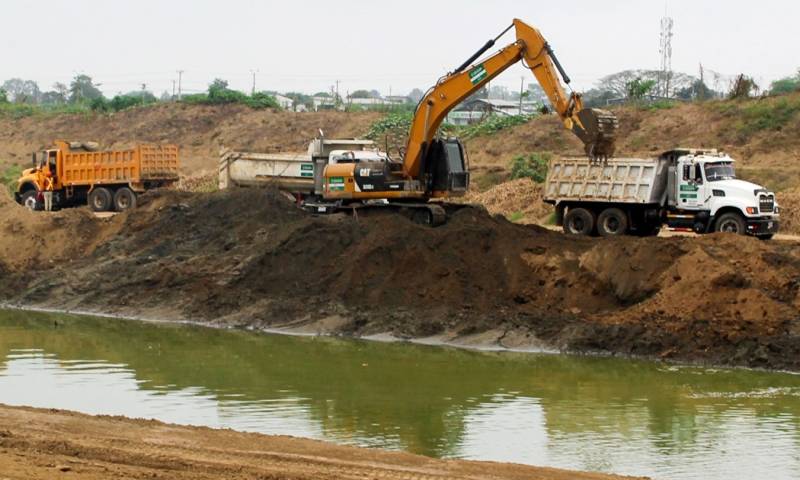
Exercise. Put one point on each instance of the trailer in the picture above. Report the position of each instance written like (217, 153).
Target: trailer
(107, 180)
(300, 174)
(682, 189)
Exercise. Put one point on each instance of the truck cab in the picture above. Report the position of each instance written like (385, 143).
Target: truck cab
(32, 179)
(704, 195)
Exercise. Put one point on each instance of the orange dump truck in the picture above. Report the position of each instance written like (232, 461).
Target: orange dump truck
(107, 180)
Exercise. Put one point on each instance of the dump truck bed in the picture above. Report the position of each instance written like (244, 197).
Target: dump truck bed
(144, 163)
(619, 180)
(288, 171)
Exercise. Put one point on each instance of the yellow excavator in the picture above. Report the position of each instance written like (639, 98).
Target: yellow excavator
(435, 167)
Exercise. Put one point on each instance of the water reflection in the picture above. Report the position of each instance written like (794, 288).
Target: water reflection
(585, 413)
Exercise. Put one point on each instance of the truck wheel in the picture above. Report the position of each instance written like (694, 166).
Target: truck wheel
(29, 200)
(579, 221)
(730, 223)
(612, 222)
(100, 199)
(124, 199)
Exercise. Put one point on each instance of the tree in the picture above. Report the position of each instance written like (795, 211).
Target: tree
(743, 87)
(785, 85)
(22, 91)
(81, 89)
(697, 91)
(416, 95)
(361, 94)
(637, 88)
(300, 99)
(3, 96)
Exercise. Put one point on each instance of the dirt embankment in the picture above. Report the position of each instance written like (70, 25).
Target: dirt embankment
(198, 130)
(46, 444)
(250, 258)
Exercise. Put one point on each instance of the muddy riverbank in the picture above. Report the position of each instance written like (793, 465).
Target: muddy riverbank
(251, 259)
(46, 444)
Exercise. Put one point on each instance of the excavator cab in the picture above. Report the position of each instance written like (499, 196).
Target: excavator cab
(446, 168)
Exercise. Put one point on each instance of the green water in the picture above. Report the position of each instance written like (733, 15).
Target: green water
(597, 414)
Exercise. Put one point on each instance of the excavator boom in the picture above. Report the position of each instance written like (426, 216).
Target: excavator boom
(594, 127)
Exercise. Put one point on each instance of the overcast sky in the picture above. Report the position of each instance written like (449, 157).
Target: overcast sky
(308, 45)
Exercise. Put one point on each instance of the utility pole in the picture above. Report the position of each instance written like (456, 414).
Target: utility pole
(665, 50)
(180, 75)
(144, 89)
(253, 90)
(521, 89)
(173, 91)
(337, 93)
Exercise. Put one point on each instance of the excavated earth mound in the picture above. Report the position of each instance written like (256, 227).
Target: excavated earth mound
(250, 258)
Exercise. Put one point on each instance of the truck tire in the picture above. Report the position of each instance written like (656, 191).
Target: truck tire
(124, 199)
(100, 199)
(579, 221)
(29, 200)
(730, 222)
(612, 222)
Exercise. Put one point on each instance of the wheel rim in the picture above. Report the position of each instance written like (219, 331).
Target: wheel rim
(611, 225)
(98, 202)
(729, 226)
(577, 225)
(30, 202)
(123, 202)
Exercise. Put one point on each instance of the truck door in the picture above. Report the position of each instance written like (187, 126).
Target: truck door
(689, 185)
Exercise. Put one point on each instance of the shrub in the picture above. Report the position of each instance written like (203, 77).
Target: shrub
(533, 166)
(99, 104)
(261, 100)
(492, 125)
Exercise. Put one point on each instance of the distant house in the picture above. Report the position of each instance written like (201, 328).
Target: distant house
(380, 101)
(475, 110)
(398, 99)
(324, 103)
(285, 102)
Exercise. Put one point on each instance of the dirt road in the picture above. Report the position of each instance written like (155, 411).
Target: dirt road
(50, 444)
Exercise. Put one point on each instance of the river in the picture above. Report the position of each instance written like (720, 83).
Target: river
(585, 413)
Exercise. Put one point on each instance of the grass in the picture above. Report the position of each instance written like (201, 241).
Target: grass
(516, 217)
(659, 105)
(775, 179)
(758, 115)
(22, 110)
(10, 176)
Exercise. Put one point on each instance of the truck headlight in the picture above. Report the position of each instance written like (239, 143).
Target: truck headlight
(751, 210)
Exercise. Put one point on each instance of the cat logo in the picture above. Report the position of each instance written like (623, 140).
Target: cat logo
(369, 186)
(363, 172)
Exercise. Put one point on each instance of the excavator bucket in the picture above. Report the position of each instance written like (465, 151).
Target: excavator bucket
(600, 132)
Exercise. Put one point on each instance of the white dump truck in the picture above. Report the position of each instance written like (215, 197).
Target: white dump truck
(300, 174)
(682, 189)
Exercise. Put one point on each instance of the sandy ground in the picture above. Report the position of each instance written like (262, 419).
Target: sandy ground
(51, 444)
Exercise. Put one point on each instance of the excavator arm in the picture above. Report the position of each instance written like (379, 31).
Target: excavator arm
(595, 128)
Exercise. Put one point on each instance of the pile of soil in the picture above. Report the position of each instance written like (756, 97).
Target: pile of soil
(789, 202)
(199, 131)
(250, 258)
(519, 200)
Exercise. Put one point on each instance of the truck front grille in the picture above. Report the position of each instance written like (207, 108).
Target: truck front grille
(766, 203)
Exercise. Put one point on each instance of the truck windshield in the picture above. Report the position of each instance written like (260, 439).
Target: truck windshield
(719, 171)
